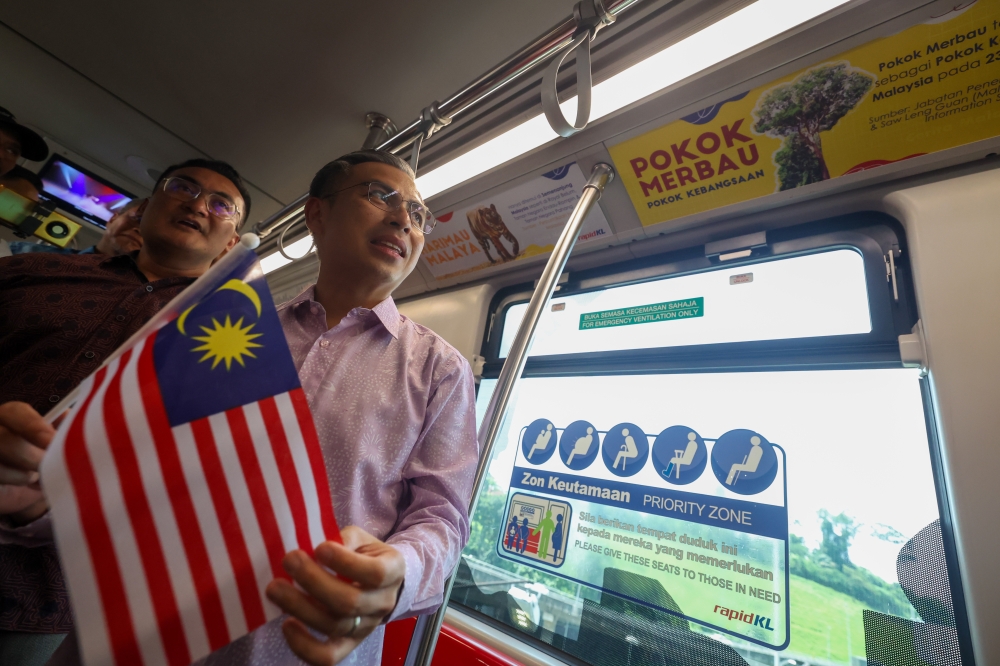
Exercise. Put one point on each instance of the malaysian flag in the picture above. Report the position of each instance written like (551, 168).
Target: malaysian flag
(187, 468)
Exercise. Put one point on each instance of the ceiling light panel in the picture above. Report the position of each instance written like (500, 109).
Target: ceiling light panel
(723, 39)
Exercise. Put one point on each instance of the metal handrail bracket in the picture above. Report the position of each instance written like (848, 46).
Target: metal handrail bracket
(510, 374)
(554, 41)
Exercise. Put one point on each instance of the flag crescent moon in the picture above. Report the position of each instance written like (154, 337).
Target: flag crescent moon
(245, 289)
(180, 320)
(235, 285)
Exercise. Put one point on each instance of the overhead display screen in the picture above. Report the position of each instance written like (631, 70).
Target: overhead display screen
(81, 192)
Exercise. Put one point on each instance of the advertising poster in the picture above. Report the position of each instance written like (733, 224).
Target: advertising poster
(524, 221)
(931, 87)
(699, 526)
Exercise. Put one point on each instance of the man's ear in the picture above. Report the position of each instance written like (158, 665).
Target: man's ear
(139, 210)
(134, 216)
(314, 216)
(229, 246)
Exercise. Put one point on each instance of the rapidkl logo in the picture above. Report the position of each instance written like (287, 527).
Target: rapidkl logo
(741, 616)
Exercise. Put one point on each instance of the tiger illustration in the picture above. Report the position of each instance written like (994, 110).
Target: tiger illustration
(488, 227)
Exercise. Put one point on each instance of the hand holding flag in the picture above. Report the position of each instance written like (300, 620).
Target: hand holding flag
(186, 470)
(24, 435)
(350, 606)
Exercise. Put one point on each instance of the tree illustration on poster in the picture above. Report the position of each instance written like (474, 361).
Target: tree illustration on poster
(800, 110)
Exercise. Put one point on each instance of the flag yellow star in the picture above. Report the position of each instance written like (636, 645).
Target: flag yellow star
(227, 342)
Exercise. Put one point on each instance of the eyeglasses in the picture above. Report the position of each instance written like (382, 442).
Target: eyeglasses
(380, 196)
(184, 190)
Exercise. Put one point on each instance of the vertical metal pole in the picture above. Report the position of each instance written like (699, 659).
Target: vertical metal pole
(600, 176)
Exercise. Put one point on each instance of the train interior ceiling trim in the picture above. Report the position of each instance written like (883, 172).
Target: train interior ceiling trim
(929, 349)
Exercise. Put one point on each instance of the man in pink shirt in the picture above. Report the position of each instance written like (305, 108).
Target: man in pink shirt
(394, 406)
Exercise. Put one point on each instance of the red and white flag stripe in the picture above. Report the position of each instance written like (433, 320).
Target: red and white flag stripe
(169, 535)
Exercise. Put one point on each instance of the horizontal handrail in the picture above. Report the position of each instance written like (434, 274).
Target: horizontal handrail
(540, 50)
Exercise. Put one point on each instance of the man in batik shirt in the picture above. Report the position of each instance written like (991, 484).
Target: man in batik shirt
(394, 405)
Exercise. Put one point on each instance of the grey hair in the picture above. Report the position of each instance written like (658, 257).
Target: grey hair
(341, 168)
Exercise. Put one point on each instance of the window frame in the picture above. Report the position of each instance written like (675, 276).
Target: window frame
(872, 235)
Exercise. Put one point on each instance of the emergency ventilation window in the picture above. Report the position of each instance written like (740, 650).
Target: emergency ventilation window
(750, 482)
(797, 297)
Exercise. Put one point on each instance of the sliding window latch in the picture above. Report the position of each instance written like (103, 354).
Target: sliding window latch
(563, 279)
(739, 247)
(890, 271)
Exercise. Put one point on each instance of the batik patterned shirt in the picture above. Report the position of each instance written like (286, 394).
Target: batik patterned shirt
(61, 315)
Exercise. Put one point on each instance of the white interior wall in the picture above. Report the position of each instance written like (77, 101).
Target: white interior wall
(953, 231)
(457, 316)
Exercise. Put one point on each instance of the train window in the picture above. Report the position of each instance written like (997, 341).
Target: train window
(779, 508)
(796, 297)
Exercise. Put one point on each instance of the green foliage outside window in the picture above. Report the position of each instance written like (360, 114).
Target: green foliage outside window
(827, 567)
(831, 565)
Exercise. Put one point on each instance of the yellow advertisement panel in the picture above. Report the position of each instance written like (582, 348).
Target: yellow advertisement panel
(931, 87)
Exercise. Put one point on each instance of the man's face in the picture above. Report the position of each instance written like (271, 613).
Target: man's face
(170, 223)
(122, 234)
(10, 152)
(374, 246)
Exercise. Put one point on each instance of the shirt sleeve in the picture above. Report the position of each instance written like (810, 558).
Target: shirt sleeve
(434, 527)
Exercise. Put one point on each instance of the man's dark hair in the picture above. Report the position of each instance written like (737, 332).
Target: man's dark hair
(340, 168)
(220, 168)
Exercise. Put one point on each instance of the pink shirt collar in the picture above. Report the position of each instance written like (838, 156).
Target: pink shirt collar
(385, 312)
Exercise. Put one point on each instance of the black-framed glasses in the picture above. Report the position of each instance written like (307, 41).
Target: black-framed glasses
(385, 198)
(185, 190)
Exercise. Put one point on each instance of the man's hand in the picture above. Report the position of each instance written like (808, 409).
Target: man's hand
(24, 436)
(331, 602)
